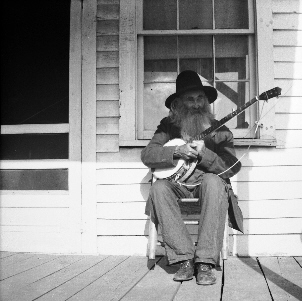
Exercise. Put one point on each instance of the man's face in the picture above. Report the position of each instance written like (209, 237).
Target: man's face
(194, 99)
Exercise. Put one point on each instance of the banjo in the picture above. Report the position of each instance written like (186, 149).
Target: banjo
(184, 168)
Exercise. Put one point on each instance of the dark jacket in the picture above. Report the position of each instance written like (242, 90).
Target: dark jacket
(218, 156)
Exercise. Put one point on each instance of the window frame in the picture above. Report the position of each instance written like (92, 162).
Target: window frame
(129, 75)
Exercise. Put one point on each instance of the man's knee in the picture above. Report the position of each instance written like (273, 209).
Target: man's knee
(160, 186)
(213, 181)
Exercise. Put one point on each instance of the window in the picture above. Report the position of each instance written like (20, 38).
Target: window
(34, 93)
(175, 35)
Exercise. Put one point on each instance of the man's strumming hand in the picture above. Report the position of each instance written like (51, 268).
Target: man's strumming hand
(187, 151)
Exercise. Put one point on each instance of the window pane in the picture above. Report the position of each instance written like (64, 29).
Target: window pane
(34, 179)
(155, 95)
(160, 48)
(196, 53)
(231, 14)
(232, 95)
(159, 14)
(34, 146)
(160, 72)
(195, 14)
(35, 61)
(231, 57)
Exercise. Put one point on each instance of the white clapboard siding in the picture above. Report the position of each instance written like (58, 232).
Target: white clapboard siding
(122, 227)
(125, 155)
(287, 54)
(246, 245)
(287, 21)
(253, 191)
(107, 59)
(107, 143)
(289, 138)
(273, 226)
(268, 245)
(250, 209)
(268, 190)
(287, 38)
(271, 208)
(121, 210)
(123, 176)
(109, 10)
(288, 121)
(289, 105)
(107, 76)
(107, 43)
(288, 70)
(122, 245)
(286, 6)
(290, 87)
(107, 92)
(251, 226)
(30, 228)
(107, 108)
(122, 193)
(27, 199)
(107, 27)
(256, 173)
(130, 158)
(50, 242)
(33, 216)
(107, 126)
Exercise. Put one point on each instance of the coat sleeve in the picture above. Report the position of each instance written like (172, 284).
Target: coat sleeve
(223, 160)
(155, 154)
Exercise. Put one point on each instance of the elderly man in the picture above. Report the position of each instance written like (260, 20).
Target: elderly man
(190, 114)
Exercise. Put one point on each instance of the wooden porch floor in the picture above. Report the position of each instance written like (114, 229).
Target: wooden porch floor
(29, 276)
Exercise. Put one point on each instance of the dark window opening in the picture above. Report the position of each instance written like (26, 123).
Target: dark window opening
(35, 61)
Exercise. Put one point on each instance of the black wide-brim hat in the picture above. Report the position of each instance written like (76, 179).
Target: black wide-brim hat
(190, 80)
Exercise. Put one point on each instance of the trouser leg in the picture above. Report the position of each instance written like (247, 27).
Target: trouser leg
(214, 205)
(178, 243)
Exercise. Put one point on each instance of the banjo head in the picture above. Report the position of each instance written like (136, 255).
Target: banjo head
(162, 173)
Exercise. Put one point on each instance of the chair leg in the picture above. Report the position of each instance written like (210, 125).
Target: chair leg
(224, 251)
(152, 241)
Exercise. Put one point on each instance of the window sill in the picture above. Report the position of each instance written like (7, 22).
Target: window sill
(255, 142)
(237, 142)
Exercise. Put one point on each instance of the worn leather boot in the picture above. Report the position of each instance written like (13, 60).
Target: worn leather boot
(185, 272)
(205, 274)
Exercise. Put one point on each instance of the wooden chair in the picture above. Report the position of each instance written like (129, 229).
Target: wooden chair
(153, 242)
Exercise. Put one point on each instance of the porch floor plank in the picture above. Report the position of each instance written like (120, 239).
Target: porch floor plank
(243, 280)
(48, 284)
(88, 283)
(189, 290)
(292, 272)
(21, 266)
(8, 286)
(299, 260)
(4, 254)
(284, 277)
(272, 272)
(46, 277)
(119, 281)
(15, 258)
(158, 284)
(77, 273)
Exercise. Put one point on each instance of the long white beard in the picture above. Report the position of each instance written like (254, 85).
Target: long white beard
(194, 124)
